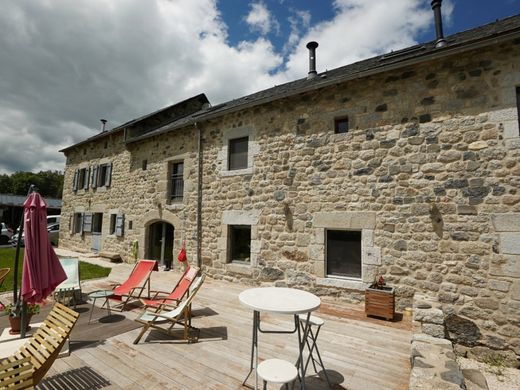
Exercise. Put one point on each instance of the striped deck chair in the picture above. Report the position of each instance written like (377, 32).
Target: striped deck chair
(181, 289)
(137, 282)
(27, 367)
(180, 315)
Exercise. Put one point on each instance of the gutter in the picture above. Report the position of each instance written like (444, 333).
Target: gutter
(199, 194)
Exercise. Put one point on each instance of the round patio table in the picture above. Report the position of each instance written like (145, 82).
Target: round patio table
(101, 294)
(280, 300)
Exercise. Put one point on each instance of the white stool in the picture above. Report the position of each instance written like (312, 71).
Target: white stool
(311, 340)
(277, 371)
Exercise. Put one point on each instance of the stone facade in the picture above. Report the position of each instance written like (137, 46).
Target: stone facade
(429, 172)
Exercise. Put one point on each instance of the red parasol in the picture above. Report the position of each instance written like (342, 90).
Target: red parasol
(42, 270)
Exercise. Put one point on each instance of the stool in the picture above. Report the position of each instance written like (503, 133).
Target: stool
(277, 371)
(100, 294)
(310, 341)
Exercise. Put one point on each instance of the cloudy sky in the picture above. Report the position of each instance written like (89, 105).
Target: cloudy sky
(65, 64)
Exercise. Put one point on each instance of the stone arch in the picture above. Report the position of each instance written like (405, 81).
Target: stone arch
(160, 216)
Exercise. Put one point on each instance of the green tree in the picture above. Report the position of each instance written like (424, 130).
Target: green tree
(49, 183)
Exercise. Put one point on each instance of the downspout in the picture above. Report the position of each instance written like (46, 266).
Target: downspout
(199, 195)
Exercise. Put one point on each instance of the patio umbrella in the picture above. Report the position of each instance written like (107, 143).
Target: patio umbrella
(42, 270)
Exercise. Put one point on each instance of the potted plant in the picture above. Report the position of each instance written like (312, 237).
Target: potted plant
(380, 299)
(14, 313)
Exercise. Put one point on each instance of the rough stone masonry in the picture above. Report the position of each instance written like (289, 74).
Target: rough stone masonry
(428, 172)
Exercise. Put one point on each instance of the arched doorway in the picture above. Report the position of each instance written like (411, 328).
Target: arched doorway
(160, 242)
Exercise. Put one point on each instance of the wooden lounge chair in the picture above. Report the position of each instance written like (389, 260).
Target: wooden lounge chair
(133, 287)
(180, 315)
(71, 287)
(3, 274)
(182, 288)
(28, 366)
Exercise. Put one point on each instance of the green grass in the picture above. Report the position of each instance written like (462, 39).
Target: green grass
(7, 255)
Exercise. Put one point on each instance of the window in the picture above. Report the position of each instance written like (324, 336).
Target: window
(238, 153)
(144, 165)
(101, 175)
(120, 225)
(112, 224)
(239, 243)
(97, 222)
(81, 179)
(341, 125)
(177, 182)
(78, 223)
(344, 253)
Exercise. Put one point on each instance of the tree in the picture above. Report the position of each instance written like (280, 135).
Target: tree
(49, 183)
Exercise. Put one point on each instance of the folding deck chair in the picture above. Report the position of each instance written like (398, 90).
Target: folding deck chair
(27, 367)
(163, 298)
(133, 287)
(72, 285)
(180, 315)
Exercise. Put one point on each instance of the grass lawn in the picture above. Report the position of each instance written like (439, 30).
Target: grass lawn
(86, 270)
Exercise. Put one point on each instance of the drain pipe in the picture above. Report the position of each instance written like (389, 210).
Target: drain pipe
(199, 195)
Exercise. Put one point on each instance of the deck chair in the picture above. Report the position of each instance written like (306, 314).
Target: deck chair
(3, 274)
(71, 287)
(41, 350)
(180, 315)
(182, 288)
(133, 287)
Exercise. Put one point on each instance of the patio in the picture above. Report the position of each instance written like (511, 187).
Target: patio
(358, 352)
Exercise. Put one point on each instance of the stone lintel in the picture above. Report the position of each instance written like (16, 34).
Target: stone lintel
(345, 220)
(506, 222)
(240, 217)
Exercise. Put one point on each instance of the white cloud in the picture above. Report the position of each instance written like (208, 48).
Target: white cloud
(261, 20)
(66, 64)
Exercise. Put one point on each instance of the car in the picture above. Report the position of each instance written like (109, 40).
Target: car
(6, 233)
(54, 232)
(52, 219)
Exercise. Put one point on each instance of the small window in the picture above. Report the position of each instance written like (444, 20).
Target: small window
(341, 125)
(78, 223)
(238, 153)
(105, 146)
(81, 179)
(112, 224)
(177, 182)
(344, 253)
(130, 225)
(240, 243)
(144, 165)
(97, 222)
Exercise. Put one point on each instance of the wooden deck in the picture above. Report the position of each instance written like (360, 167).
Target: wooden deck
(358, 353)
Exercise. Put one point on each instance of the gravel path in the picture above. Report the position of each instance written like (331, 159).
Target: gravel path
(498, 378)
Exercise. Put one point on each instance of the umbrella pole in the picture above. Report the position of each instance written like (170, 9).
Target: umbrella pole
(16, 296)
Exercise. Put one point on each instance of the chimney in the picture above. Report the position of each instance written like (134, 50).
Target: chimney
(436, 7)
(103, 123)
(312, 59)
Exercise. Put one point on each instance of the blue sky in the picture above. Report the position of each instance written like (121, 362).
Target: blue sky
(66, 64)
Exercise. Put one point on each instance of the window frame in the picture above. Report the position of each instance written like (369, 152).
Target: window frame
(229, 156)
(112, 226)
(231, 248)
(77, 223)
(329, 273)
(176, 182)
(97, 223)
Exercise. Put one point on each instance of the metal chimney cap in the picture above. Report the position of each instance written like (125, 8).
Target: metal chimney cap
(312, 45)
(103, 121)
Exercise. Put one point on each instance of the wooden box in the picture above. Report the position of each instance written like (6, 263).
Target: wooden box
(380, 302)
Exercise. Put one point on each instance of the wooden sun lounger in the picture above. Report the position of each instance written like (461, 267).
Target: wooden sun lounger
(27, 367)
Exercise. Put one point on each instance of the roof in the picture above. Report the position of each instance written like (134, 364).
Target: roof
(18, 200)
(498, 31)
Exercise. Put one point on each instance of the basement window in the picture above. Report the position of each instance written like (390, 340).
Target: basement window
(341, 125)
(239, 244)
(343, 254)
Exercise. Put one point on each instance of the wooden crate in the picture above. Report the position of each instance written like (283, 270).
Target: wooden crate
(380, 302)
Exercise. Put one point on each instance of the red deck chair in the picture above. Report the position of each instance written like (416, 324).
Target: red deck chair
(134, 286)
(181, 289)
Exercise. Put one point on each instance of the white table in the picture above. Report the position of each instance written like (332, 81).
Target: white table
(279, 300)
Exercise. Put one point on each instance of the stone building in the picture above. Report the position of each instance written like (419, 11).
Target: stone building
(404, 165)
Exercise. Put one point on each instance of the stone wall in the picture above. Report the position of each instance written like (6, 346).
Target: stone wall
(428, 172)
